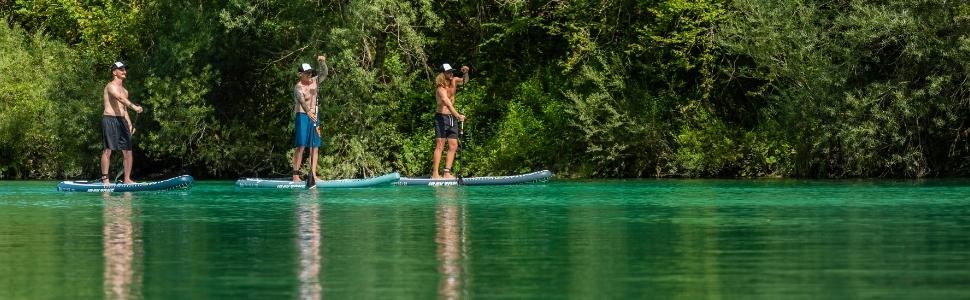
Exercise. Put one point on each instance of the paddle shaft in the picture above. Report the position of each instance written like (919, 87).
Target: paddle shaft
(461, 141)
(311, 180)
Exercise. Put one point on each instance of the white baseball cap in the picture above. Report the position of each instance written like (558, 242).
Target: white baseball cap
(305, 67)
(118, 65)
(446, 68)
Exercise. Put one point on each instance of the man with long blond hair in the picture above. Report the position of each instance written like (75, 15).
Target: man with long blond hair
(445, 127)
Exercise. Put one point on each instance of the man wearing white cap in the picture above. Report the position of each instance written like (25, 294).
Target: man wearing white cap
(116, 127)
(305, 106)
(445, 127)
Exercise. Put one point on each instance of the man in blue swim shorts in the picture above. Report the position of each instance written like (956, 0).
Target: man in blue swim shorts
(306, 119)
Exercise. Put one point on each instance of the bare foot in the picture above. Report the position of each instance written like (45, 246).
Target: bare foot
(129, 181)
(297, 179)
(449, 176)
(105, 181)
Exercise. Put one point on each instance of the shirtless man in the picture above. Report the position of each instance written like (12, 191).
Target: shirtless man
(445, 127)
(116, 127)
(305, 105)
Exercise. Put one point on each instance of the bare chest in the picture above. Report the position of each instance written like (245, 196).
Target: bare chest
(308, 91)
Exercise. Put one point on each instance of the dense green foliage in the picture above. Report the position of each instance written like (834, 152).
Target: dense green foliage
(584, 88)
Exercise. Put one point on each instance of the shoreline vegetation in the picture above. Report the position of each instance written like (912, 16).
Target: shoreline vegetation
(586, 89)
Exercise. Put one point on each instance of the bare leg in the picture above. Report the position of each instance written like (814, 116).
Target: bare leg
(452, 149)
(439, 145)
(105, 162)
(313, 162)
(297, 160)
(129, 160)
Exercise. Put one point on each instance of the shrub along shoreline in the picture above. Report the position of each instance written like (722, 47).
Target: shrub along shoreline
(587, 89)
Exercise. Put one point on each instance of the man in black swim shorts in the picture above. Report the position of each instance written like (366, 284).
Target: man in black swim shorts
(116, 126)
(446, 118)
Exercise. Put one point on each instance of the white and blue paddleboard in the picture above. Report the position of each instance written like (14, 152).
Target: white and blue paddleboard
(540, 176)
(283, 183)
(174, 183)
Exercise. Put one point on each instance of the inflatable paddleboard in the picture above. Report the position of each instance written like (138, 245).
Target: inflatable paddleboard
(180, 182)
(283, 183)
(540, 176)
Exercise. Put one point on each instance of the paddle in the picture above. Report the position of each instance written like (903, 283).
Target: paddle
(461, 131)
(461, 141)
(311, 180)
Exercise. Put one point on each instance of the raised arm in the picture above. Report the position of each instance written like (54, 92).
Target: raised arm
(464, 76)
(324, 71)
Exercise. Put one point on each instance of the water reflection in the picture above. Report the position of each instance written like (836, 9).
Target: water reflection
(308, 243)
(122, 249)
(450, 238)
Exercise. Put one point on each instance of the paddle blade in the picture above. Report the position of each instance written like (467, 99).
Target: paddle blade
(311, 182)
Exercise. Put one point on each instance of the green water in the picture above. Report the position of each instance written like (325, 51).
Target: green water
(664, 239)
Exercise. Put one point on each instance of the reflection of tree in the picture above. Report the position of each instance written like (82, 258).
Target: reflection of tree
(308, 243)
(450, 239)
(122, 242)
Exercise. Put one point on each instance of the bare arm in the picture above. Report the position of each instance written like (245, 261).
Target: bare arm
(116, 93)
(131, 126)
(464, 76)
(324, 74)
(324, 71)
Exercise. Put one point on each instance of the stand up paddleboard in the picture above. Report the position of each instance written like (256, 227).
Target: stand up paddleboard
(540, 176)
(180, 182)
(283, 183)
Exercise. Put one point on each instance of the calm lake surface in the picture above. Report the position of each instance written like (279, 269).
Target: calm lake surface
(688, 239)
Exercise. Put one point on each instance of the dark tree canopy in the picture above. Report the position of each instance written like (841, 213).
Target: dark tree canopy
(584, 88)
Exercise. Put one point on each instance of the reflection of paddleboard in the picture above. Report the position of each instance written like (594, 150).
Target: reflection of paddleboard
(540, 176)
(283, 183)
(180, 182)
